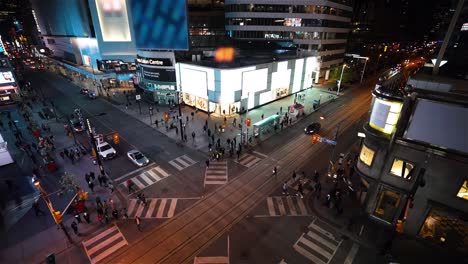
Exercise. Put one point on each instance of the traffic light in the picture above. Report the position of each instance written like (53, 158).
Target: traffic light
(82, 195)
(248, 122)
(57, 217)
(116, 138)
(315, 138)
(93, 152)
(166, 116)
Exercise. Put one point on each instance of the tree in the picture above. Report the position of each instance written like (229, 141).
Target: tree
(69, 182)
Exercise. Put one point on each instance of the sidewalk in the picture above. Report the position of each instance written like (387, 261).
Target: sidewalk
(196, 122)
(29, 238)
(353, 223)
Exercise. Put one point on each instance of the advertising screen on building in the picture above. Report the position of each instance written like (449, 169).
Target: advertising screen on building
(158, 74)
(160, 24)
(113, 19)
(6, 77)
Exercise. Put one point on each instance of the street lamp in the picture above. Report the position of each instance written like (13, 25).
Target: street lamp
(363, 70)
(93, 143)
(341, 78)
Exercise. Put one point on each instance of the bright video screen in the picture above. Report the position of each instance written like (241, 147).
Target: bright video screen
(160, 24)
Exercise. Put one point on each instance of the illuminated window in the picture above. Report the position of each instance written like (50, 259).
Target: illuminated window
(387, 205)
(463, 192)
(402, 169)
(367, 155)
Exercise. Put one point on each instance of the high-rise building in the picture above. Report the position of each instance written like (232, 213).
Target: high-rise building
(319, 28)
(413, 160)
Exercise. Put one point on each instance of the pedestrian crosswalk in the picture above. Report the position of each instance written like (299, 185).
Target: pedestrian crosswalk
(155, 208)
(286, 206)
(248, 160)
(147, 177)
(318, 245)
(104, 244)
(182, 162)
(216, 173)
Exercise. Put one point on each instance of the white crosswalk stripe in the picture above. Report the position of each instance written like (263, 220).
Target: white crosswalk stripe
(217, 173)
(104, 244)
(248, 160)
(182, 162)
(156, 208)
(286, 205)
(317, 245)
(147, 177)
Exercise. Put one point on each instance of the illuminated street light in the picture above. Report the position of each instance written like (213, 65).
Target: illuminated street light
(341, 78)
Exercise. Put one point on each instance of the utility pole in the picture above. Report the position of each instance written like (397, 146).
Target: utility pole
(363, 70)
(333, 149)
(341, 78)
(182, 132)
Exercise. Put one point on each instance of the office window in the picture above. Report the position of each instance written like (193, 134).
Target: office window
(463, 192)
(402, 169)
(367, 155)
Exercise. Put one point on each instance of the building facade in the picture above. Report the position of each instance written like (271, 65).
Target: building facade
(318, 28)
(414, 161)
(226, 91)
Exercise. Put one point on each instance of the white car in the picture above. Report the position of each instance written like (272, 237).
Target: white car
(137, 157)
(105, 150)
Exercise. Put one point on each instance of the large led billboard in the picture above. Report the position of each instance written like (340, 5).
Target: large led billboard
(158, 74)
(6, 77)
(160, 24)
(113, 19)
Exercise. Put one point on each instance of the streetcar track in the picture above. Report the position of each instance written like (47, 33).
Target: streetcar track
(264, 183)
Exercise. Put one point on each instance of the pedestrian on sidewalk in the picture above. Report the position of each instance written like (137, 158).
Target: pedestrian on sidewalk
(207, 163)
(78, 217)
(193, 135)
(138, 222)
(123, 212)
(185, 137)
(62, 154)
(100, 180)
(187, 119)
(65, 151)
(281, 110)
(86, 217)
(156, 123)
(285, 188)
(91, 185)
(36, 208)
(316, 176)
(300, 191)
(212, 138)
(71, 156)
(262, 116)
(99, 217)
(115, 214)
(294, 176)
(87, 177)
(74, 226)
(111, 187)
(204, 129)
(275, 170)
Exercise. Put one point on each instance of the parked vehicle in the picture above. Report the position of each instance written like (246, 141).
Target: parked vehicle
(312, 128)
(105, 150)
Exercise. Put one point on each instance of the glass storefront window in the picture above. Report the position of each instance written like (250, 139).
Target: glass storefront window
(463, 192)
(402, 169)
(367, 155)
(387, 205)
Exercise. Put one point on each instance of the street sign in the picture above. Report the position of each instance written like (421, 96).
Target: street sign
(328, 141)
(138, 97)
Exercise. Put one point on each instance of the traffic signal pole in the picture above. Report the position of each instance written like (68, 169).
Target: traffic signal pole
(93, 142)
(55, 214)
(180, 118)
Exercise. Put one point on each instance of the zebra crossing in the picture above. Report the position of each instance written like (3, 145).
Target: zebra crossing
(216, 173)
(286, 206)
(317, 245)
(248, 160)
(156, 208)
(182, 162)
(147, 177)
(104, 244)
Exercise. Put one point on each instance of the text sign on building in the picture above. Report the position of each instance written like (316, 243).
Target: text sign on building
(160, 24)
(113, 19)
(158, 74)
(155, 62)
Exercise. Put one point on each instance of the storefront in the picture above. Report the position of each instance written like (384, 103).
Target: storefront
(8, 88)
(446, 227)
(227, 91)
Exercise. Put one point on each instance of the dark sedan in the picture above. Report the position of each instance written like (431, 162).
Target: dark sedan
(312, 128)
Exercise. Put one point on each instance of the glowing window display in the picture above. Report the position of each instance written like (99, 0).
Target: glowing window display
(384, 116)
(402, 169)
(463, 192)
(367, 155)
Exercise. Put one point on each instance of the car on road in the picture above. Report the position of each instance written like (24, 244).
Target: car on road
(92, 95)
(77, 125)
(137, 157)
(105, 150)
(312, 128)
(84, 91)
